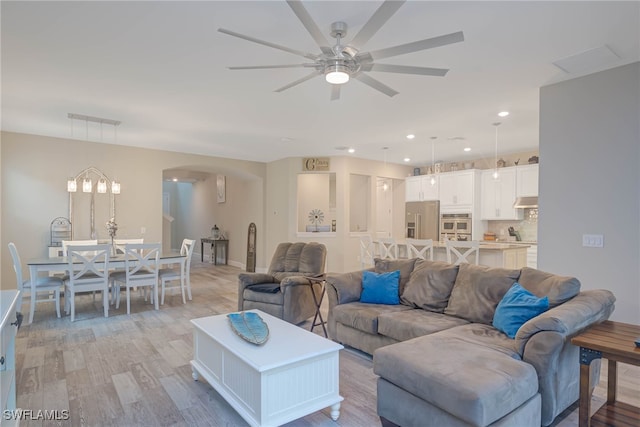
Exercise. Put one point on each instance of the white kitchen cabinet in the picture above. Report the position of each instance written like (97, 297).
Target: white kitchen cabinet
(457, 191)
(498, 195)
(527, 180)
(419, 188)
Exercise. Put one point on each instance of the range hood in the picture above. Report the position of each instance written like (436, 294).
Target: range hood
(526, 202)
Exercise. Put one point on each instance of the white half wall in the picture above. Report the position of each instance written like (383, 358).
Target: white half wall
(590, 183)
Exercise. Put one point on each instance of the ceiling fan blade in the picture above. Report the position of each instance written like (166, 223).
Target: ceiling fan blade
(269, 44)
(311, 26)
(382, 15)
(260, 67)
(297, 82)
(377, 85)
(406, 69)
(413, 46)
(335, 92)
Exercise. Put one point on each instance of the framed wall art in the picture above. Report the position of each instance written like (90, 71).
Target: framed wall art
(221, 187)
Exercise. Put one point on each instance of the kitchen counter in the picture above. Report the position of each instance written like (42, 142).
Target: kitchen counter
(493, 254)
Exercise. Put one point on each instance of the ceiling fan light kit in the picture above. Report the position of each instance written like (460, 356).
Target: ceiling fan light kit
(336, 74)
(340, 63)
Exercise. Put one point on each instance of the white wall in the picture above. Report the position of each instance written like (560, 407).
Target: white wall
(590, 183)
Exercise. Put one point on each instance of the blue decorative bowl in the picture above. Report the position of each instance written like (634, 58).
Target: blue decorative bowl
(249, 326)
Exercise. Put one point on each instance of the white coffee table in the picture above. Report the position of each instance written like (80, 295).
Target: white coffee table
(292, 375)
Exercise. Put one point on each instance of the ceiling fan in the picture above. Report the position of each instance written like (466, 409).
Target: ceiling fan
(341, 62)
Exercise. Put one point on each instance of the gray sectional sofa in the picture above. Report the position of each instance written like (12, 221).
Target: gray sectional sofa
(441, 362)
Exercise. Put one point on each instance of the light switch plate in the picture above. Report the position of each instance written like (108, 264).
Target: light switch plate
(593, 240)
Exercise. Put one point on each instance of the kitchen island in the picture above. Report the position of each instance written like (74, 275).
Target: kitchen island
(492, 254)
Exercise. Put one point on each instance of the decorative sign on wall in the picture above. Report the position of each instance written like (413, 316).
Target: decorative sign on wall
(315, 164)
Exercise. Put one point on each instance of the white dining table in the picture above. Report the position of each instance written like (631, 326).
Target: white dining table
(61, 264)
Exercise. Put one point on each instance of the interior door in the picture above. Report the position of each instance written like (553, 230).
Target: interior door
(384, 205)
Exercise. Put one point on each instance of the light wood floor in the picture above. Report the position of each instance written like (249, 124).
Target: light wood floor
(134, 370)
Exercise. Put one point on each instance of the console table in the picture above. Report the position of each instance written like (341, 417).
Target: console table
(615, 342)
(223, 243)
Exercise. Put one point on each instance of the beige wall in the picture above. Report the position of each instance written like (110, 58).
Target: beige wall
(34, 174)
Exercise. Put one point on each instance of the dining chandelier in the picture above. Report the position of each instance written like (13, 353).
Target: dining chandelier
(87, 185)
(103, 183)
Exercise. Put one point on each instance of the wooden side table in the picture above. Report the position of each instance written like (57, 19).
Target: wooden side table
(615, 342)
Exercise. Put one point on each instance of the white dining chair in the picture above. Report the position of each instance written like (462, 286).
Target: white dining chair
(425, 247)
(140, 270)
(471, 248)
(367, 251)
(388, 248)
(88, 272)
(181, 275)
(119, 244)
(67, 243)
(43, 284)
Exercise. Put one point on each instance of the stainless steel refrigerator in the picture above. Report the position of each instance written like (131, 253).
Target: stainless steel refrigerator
(422, 220)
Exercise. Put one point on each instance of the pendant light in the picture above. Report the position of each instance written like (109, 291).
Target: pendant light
(72, 185)
(86, 184)
(432, 181)
(101, 187)
(495, 172)
(385, 186)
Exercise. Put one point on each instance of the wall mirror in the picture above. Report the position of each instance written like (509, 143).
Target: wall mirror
(316, 202)
(91, 202)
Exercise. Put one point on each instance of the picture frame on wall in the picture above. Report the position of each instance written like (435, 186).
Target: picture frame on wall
(221, 187)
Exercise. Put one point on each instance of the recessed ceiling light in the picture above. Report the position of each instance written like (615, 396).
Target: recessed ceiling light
(351, 150)
(467, 148)
(175, 179)
(503, 113)
(406, 159)
(411, 136)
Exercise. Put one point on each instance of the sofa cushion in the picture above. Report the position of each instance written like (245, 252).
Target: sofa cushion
(430, 285)
(404, 265)
(557, 288)
(363, 316)
(478, 290)
(477, 334)
(380, 288)
(476, 384)
(516, 307)
(408, 324)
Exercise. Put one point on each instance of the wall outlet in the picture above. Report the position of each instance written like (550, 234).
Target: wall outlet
(592, 240)
(143, 230)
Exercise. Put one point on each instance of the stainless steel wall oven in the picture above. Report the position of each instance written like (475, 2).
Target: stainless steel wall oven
(455, 226)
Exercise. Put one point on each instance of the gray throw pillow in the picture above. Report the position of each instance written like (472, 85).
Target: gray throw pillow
(388, 265)
(557, 288)
(430, 285)
(478, 290)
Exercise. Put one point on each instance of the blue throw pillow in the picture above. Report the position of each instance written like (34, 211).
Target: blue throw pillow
(517, 306)
(380, 288)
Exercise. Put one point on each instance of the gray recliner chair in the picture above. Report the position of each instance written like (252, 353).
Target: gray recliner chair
(283, 291)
